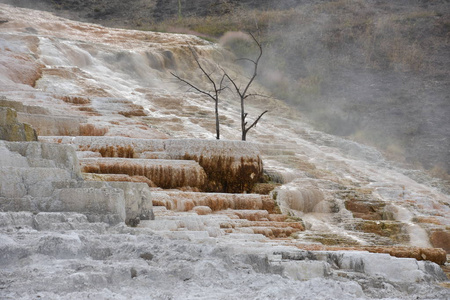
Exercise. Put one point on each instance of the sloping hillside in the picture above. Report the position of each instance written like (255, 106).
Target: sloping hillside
(127, 193)
(373, 71)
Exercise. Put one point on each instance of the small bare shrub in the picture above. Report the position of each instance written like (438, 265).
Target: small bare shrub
(92, 130)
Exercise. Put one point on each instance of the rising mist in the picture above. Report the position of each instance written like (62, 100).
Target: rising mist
(373, 71)
(376, 72)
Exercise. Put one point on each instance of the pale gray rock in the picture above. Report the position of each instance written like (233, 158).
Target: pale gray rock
(51, 221)
(300, 196)
(60, 246)
(11, 159)
(52, 125)
(306, 270)
(373, 264)
(138, 200)
(35, 182)
(11, 251)
(47, 155)
(48, 221)
(100, 205)
(46, 178)
(16, 219)
(111, 146)
(80, 263)
(21, 108)
(11, 184)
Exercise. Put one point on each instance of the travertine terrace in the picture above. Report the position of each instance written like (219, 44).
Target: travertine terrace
(126, 194)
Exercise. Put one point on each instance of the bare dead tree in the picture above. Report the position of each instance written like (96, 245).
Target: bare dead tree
(217, 88)
(243, 92)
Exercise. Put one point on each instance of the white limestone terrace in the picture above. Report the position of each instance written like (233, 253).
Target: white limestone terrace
(215, 166)
(116, 83)
(39, 177)
(61, 256)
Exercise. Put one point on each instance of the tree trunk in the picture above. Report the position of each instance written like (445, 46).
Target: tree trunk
(217, 120)
(244, 131)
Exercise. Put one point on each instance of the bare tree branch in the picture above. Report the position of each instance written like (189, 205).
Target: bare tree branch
(257, 95)
(221, 83)
(255, 70)
(247, 59)
(214, 95)
(238, 90)
(243, 92)
(256, 121)
(192, 85)
(194, 53)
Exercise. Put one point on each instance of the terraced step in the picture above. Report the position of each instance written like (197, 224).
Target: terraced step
(186, 201)
(40, 155)
(11, 129)
(27, 181)
(49, 221)
(39, 177)
(52, 125)
(43, 121)
(230, 166)
(110, 105)
(239, 213)
(267, 228)
(251, 215)
(276, 149)
(109, 146)
(166, 174)
(117, 177)
(22, 108)
(363, 204)
(394, 230)
(273, 231)
(99, 205)
(435, 255)
(172, 220)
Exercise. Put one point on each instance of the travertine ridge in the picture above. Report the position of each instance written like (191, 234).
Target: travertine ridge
(170, 212)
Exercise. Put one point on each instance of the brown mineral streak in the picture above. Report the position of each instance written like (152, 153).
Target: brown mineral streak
(436, 255)
(164, 176)
(227, 169)
(111, 151)
(224, 175)
(76, 100)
